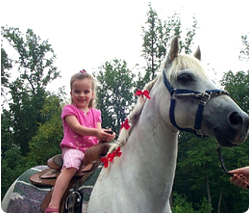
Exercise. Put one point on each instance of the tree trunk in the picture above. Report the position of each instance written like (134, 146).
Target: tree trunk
(152, 59)
(220, 199)
(209, 196)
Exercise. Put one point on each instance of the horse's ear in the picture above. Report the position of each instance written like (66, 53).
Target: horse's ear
(174, 49)
(197, 53)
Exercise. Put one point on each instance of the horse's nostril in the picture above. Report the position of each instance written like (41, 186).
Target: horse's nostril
(235, 119)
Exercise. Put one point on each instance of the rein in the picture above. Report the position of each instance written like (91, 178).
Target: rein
(203, 100)
(222, 162)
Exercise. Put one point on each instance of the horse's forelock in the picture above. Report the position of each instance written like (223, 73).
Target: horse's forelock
(183, 62)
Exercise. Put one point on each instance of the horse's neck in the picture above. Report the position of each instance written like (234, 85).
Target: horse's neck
(150, 152)
(143, 176)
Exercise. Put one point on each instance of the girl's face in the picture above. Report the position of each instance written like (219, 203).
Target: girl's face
(82, 93)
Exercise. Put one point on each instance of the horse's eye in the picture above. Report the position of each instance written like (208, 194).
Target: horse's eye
(184, 78)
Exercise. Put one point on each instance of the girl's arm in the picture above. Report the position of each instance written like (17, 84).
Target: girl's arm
(99, 125)
(74, 124)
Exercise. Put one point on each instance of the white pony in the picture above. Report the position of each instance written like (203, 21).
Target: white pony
(183, 98)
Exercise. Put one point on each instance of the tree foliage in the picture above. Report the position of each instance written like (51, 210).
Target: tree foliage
(115, 93)
(244, 53)
(11, 168)
(32, 71)
(49, 134)
(43, 145)
(156, 38)
(6, 64)
(238, 87)
(36, 58)
(28, 91)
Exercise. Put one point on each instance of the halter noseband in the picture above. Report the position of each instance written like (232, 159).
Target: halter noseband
(203, 100)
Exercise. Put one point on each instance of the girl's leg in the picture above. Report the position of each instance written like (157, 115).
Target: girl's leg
(61, 185)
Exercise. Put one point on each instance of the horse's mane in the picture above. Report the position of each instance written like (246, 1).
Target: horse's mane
(181, 62)
(132, 118)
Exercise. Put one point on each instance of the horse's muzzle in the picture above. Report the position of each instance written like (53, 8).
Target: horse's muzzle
(235, 131)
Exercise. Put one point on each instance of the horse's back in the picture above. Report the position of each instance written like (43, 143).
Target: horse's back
(24, 197)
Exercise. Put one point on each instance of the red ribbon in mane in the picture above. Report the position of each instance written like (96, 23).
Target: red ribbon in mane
(110, 157)
(145, 93)
(125, 125)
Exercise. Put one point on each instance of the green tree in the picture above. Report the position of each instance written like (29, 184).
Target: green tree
(115, 93)
(244, 53)
(6, 64)
(238, 87)
(11, 168)
(28, 91)
(152, 33)
(7, 135)
(196, 163)
(49, 134)
(36, 58)
(156, 37)
(181, 204)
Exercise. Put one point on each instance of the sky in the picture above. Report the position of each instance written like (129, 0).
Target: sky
(86, 34)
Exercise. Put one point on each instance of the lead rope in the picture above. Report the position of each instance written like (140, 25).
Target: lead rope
(223, 165)
(222, 162)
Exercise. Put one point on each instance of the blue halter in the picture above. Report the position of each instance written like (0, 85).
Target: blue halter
(203, 100)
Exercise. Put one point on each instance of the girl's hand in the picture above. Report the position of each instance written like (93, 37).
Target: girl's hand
(102, 135)
(111, 138)
(113, 135)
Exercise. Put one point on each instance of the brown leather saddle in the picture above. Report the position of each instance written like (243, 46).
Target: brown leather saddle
(48, 176)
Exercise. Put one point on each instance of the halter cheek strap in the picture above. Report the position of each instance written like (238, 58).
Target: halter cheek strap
(203, 100)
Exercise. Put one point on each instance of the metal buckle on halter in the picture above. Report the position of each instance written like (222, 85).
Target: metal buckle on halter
(205, 98)
(199, 132)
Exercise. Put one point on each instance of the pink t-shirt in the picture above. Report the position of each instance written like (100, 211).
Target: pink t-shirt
(74, 140)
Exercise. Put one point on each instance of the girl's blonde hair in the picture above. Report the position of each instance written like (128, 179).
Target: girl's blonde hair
(83, 75)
